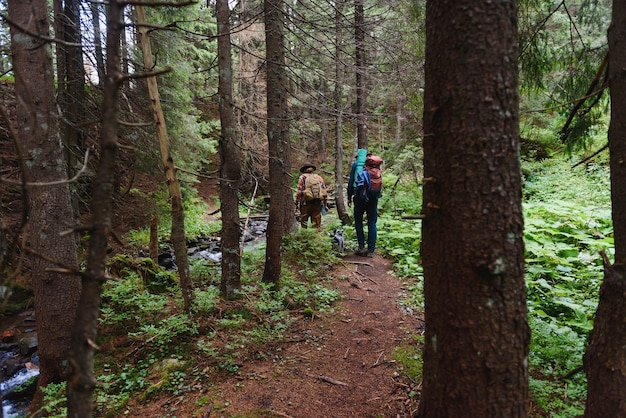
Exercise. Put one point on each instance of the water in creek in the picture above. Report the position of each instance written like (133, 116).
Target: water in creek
(18, 363)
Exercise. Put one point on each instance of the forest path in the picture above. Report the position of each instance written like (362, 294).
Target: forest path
(339, 364)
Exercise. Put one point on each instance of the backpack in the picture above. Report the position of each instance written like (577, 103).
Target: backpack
(312, 188)
(370, 180)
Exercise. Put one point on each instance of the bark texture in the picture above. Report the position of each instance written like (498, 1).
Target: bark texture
(477, 334)
(276, 136)
(338, 96)
(72, 87)
(230, 160)
(605, 359)
(82, 381)
(48, 197)
(361, 90)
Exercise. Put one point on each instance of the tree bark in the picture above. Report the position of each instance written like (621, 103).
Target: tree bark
(605, 360)
(177, 235)
(250, 98)
(97, 40)
(477, 334)
(339, 198)
(276, 137)
(74, 93)
(230, 160)
(82, 381)
(361, 89)
(49, 208)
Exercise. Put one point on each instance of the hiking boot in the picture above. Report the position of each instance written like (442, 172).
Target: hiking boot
(361, 252)
(370, 254)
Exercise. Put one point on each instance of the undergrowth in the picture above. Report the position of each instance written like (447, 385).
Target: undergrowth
(150, 348)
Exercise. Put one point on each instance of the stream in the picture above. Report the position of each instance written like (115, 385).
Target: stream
(19, 363)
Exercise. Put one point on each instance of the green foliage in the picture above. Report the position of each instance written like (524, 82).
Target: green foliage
(403, 190)
(206, 301)
(54, 403)
(204, 273)
(410, 359)
(401, 239)
(311, 253)
(561, 47)
(196, 224)
(567, 222)
(166, 331)
(126, 302)
(191, 59)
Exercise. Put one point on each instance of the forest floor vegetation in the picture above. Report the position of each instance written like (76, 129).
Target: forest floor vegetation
(353, 360)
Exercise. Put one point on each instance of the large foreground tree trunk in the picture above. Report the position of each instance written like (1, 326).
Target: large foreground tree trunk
(276, 136)
(477, 334)
(82, 381)
(230, 160)
(605, 358)
(48, 196)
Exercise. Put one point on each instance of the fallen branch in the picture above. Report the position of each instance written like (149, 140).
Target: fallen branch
(364, 263)
(281, 414)
(378, 359)
(331, 380)
(417, 217)
(571, 373)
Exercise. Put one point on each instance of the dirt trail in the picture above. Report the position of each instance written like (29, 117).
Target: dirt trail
(339, 365)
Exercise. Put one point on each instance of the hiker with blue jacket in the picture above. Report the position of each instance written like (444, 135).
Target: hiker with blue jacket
(364, 189)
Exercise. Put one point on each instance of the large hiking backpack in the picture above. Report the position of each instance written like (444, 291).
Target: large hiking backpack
(370, 180)
(312, 187)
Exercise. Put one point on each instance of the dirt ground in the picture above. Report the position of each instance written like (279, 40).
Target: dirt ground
(349, 372)
(337, 365)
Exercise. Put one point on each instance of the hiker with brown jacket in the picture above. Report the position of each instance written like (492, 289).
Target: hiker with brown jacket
(311, 196)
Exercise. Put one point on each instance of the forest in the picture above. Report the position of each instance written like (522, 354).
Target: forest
(151, 259)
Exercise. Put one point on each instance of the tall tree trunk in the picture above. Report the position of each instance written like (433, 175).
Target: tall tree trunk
(97, 40)
(400, 117)
(276, 137)
(74, 103)
(250, 95)
(3, 254)
(477, 334)
(361, 89)
(82, 381)
(177, 235)
(230, 160)
(605, 360)
(339, 198)
(48, 196)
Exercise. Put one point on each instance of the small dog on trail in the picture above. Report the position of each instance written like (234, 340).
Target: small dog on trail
(338, 241)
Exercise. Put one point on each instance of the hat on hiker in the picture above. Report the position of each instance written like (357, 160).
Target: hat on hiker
(306, 166)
